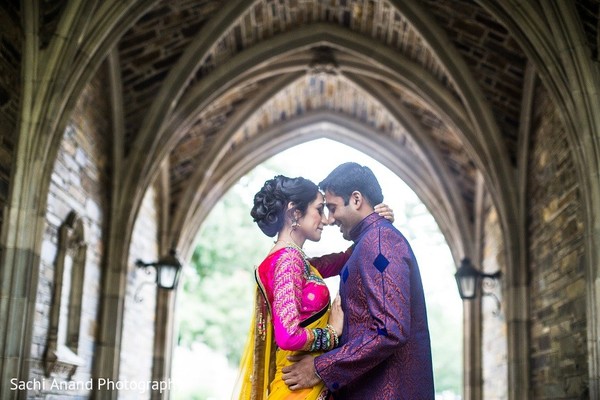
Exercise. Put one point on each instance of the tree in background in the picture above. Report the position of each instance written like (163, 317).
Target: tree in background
(217, 296)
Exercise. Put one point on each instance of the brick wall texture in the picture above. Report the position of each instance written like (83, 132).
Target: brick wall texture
(559, 367)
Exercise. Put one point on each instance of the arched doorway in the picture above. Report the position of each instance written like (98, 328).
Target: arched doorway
(220, 231)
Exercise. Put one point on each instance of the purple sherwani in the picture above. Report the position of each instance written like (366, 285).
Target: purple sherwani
(384, 351)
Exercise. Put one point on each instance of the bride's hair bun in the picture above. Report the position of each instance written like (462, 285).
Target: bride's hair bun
(271, 202)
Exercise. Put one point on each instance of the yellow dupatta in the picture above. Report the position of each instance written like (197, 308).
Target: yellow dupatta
(256, 368)
(260, 367)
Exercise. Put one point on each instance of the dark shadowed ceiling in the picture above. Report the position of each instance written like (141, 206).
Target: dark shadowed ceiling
(434, 86)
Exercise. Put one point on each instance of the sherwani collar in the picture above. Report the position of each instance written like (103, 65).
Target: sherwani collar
(357, 232)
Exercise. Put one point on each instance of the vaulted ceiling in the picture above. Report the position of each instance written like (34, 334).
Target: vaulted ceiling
(434, 87)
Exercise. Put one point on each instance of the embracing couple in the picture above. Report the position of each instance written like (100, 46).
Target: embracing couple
(373, 341)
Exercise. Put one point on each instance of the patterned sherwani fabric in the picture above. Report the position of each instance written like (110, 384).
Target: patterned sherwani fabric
(385, 350)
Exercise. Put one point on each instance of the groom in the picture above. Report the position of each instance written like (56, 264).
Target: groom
(384, 350)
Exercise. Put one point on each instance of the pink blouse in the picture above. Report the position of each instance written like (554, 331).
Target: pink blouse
(296, 295)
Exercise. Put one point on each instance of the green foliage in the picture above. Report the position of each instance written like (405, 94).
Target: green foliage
(217, 296)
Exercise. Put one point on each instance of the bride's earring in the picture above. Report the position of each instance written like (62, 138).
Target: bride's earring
(295, 224)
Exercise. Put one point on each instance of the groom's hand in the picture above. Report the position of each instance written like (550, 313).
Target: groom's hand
(301, 374)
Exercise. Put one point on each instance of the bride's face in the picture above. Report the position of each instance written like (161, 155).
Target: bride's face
(313, 221)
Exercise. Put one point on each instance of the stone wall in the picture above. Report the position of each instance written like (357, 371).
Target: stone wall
(138, 326)
(80, 183)
(494, 338)
(10, 92)
(557, 276)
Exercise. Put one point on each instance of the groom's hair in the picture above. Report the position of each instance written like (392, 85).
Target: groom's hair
(349, 177)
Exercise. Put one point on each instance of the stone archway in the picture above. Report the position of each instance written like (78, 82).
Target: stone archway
(322, 132)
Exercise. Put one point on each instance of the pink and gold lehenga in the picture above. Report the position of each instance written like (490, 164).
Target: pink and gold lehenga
(291, 314)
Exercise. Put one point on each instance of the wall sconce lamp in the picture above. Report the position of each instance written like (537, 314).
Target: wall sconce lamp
(469, 280)
(168, 270)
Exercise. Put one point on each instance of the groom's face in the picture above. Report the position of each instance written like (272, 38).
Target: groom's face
(344, 216)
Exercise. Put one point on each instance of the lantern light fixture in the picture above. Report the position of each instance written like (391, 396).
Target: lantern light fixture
(168, 270)
(471, 281)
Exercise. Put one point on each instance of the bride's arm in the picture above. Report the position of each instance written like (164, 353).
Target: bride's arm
(331, 264)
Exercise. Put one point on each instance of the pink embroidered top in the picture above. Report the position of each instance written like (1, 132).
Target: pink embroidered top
(297, 296)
